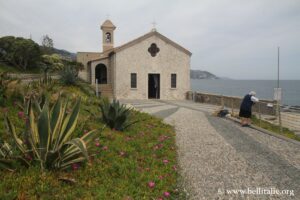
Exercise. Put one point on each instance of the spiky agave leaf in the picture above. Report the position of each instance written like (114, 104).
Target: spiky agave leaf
(43, 125)
(69, 124)
(17, 140)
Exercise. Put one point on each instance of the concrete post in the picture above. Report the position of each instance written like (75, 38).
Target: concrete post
(97, 90)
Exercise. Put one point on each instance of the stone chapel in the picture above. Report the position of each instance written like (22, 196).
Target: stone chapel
(149, 67)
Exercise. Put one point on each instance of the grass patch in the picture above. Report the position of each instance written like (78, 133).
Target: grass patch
(274, 128)
(121, 165)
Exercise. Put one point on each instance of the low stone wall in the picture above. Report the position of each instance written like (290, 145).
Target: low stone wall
(266, 107)
(291, 120)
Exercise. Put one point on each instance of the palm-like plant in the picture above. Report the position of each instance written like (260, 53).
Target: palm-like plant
(48, 136)
(115, 115)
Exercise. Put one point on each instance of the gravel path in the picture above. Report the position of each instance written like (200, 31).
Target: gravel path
(216, 155)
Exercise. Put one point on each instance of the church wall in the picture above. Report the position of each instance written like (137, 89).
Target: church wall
(84, 58)
(137, 59)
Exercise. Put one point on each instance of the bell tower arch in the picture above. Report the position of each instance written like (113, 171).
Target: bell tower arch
(107, 35)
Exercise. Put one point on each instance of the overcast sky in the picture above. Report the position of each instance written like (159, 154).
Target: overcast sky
(230, 38)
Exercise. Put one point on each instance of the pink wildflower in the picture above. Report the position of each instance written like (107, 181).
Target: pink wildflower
(174, 167)
(160, 198)
(105, 148)
(21, 114)
(28, 157)
(151, 184)
(97, 144)
(160, 177)
(158, 146)
(163, 138)
(166, 194)
(165, 161)
(75, 166)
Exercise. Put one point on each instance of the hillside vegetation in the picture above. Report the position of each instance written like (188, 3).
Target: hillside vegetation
(137, 163)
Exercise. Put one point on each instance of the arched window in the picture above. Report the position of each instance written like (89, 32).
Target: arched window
(101, 74)
(108, 37)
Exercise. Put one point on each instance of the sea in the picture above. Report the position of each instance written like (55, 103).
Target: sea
(264, 88)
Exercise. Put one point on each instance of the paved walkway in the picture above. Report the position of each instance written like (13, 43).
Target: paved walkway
(216, 154)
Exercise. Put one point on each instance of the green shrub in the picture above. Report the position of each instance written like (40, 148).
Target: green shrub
(115, 115)
(4, 81)
(69, 76)
(47, 137)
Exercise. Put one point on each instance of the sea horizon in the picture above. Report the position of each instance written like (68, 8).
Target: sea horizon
(264, 88)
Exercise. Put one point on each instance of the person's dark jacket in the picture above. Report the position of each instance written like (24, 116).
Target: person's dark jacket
(247, 103)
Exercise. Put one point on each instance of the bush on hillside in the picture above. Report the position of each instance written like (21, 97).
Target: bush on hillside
(69, 76)
(19, 52)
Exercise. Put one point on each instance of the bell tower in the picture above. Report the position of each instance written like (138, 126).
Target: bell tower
(107, 35)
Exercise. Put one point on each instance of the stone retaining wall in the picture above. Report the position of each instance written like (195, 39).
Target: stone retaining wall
(266, 107)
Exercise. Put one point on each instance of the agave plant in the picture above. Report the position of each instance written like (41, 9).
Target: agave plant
(48, 136)
(115, 115)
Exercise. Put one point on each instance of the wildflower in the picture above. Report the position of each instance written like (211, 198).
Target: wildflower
(165, 161)
(75, 166)
(85, 132)
(160, 177)
(174, 167)
(28, 157)
(20, 114)
(158, 146)
(97, 144)
(151, 184)
(105, 148)
(163, 138)
(166, 194)
(122, 153)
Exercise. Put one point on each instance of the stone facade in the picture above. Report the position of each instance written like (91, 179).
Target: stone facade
(137, 59)
(151, 53)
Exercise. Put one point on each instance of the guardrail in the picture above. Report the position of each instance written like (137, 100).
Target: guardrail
(266, 107)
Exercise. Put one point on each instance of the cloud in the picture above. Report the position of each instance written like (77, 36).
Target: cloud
(230, 38)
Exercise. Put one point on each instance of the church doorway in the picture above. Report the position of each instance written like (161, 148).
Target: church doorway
(153, 86)
(101, 74)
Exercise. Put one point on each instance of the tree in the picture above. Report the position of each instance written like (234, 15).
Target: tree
(47, 45)
(77, 66)
(51, 63)
(19, 52)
